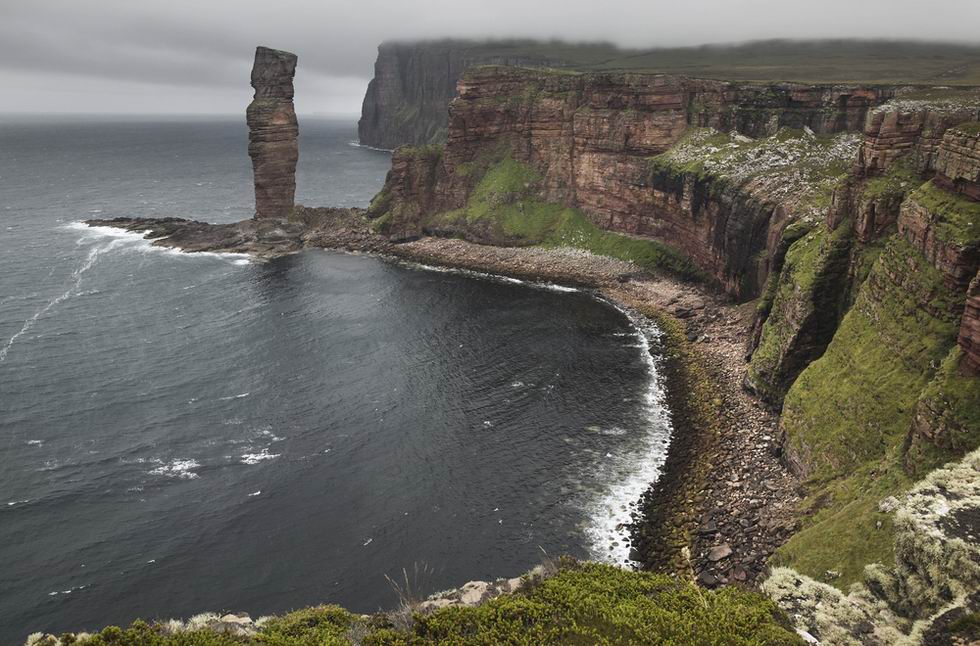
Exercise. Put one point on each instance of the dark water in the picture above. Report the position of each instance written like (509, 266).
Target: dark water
(181, 433)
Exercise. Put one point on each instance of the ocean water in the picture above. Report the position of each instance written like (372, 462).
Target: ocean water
(184, 432)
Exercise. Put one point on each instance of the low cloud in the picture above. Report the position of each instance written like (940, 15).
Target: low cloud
(194, 56)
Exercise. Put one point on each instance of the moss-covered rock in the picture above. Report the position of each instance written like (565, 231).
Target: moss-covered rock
(856, 402)
(847, 416)
(807, 303)
(946, 422)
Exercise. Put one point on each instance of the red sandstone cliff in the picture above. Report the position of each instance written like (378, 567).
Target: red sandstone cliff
(590, 136)
(273, 132)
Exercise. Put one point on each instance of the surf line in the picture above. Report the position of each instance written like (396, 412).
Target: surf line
(73, 282)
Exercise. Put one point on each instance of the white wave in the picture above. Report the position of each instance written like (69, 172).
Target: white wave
(255, 493)
(68, 591)
(73, 282)
(180, 468)
(143, 244)
(272, 436)
(500, 278)
(230, 397)
(18, 502)
(634, 471)
(255, 458)
(357, 144)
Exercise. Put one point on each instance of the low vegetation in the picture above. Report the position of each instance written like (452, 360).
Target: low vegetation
(773, 60)
(584, 603)
(503, 206)
(848, 414)
(794, 167)
(956, 218)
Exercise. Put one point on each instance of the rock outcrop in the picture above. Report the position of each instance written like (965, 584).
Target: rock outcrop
(413, 83)
(904, 143)
(273, 133)
(589, 139)
(958, 160)
(969, 336)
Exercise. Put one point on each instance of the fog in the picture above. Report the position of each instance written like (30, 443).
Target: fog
(184, 56)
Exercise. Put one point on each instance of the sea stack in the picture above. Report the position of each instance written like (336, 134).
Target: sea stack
(273, 132)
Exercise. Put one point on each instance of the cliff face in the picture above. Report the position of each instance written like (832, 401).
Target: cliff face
(593, 142)
(903, 143)
(413, 83)
(849, 212)
(273, 132)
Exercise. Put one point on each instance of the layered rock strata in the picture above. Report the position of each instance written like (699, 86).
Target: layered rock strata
(273, 133)
(958, 161)
(904, 142)
(590, 137)
(413, 83)
(969, 336)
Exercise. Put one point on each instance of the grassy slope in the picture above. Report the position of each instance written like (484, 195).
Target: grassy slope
(848, 413)
(807, 61)
(503, 201)
(583, 604)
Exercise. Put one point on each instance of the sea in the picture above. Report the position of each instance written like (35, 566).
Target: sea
(182, 433)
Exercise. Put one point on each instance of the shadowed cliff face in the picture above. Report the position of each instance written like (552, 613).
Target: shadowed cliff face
(273, 132)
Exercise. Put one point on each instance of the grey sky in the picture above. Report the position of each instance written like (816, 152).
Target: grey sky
(194, 55)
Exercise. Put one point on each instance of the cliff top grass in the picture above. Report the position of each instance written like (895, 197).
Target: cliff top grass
(792, 166)
(900, 178)
(934, 99)
(968, 128)
(815, 61)
(956, 218)
(584, 603)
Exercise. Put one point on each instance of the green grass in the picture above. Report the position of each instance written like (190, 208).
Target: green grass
(848, 414)
(957, 219)
(951, 404)
(584, 603)
(971, 128)
(856, 401)
(864, 61)
(844, 531)
(504, 201)
(898, 180)
(806, 306)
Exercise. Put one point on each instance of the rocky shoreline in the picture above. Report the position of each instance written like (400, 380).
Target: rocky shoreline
(725, 501)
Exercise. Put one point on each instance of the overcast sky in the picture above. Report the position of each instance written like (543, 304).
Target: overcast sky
(194, 56)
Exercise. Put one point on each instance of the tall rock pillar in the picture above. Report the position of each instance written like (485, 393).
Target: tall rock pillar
(273, 132)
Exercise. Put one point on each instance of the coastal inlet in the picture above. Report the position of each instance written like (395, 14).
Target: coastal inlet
(295, 428)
